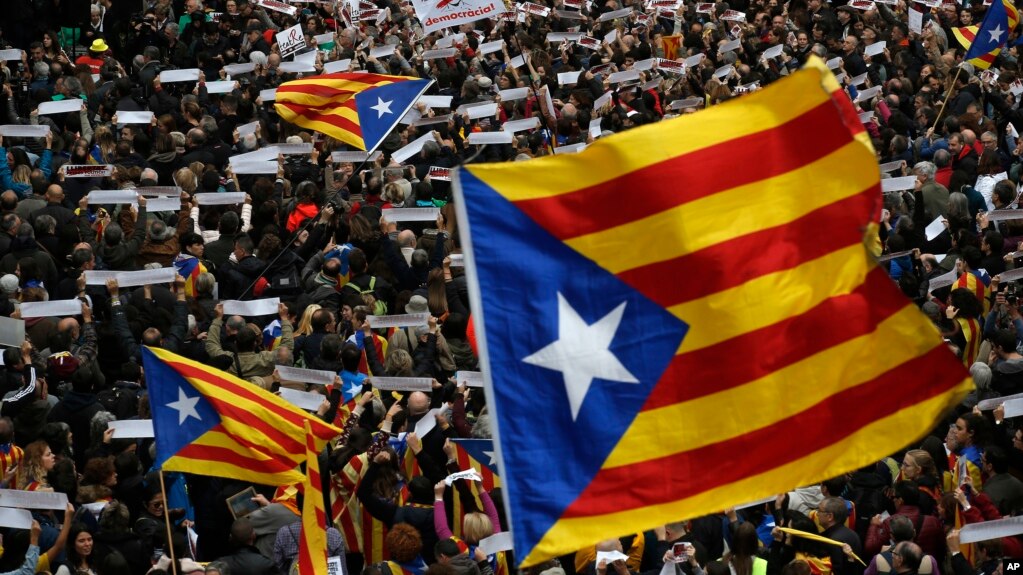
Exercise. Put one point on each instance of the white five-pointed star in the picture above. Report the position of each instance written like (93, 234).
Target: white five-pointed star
(382, 107)
(582, 352)
(185, 406)
(996, 34)
(490, 454)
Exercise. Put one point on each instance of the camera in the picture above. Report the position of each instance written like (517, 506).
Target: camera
(1010, 294)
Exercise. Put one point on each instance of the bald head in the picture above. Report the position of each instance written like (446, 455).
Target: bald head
(610, 545)
(55, 194)
(418, 403)
(8, 200)
(69, 324)
(969, 137)
(406, 239)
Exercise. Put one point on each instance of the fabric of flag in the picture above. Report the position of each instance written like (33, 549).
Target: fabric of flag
(11, 456)
(209, 422)
(613, 332)
(978, 283)
(475, 454)
(189, 267)
(272, 335)
(671, 45)
(967, 464)
(312, 545)
(361, 531)
(1000, 19)
(971, 328)
(358, 109)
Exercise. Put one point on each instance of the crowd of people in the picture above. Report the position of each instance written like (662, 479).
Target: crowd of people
(312, 233)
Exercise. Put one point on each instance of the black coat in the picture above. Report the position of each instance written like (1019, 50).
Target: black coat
(248, 561)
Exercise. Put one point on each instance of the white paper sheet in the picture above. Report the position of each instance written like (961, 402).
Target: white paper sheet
(724, 71)
(222, 199)
(623, 13)
(252, 308)
(24, 131)
(898, 184)
(481, 138)
(942, 281)
(131, 279)
(249, 128)
(497, 542)
(935, 228)
(353, 157)
(186, 75)
(411, 214)
(512, 94)
(253, 168)
(11, 54)
(891, 166)
(1013, 407)
(916, 21)
(611, 556)
(435, 101)
(218, 87)
(60, 107)
(52, 500)
(402, 383)
(834, 63)
(730, 46)
(520, 125)
(54, 308)
(317, 376)
(15, 518)
(457, 260)
(132, 428)
(306, 400)
(12, 331)
(867, 94)
(469, 378)
(482, 111)
(623, 76)
(412, 148)
(239, 69)
(296, 68)
(773, 52)
(1004, 215)
(268, 95)
(989, 404)
(427, 423)
(568, 77)
(163, 204)
(295, 149)
(337, 66)
(402, 320)
(875, 49)
(984, 531)
(468, 474)
(436, 54)
(112, 197)
(489, 47)
(570, 148)
(134, 117)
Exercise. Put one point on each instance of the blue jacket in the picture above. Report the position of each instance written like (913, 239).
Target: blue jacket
(23, 190)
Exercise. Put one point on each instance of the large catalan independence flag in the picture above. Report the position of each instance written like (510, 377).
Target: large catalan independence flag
(695, 302)
(1001, 19)
(358, 109)
(209, 422)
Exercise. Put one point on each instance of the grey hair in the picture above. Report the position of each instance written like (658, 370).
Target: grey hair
(172, 26)
(258, 58)
(204, 283)
(248, 143)
(958, 205)
(981, 373)
(98, 425)
(192, 323)
(926, 169)
(25, 230)
(41, 69)
(283, 355)
(45, 224)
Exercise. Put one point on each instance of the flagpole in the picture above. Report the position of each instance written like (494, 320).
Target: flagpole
(166, 521)
(948, 95)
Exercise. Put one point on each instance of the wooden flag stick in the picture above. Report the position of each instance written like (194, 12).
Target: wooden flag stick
(166, 520)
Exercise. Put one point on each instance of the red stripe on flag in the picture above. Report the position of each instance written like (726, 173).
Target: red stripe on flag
(318, 90)
(729, 264)
(713, 369)
(702, 172)
(214, 455)
(669, 478)
(332, 119)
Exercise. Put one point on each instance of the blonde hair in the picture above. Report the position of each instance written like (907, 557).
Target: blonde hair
(399, 363)
(924, 461)
(185, 178)
(475, 527)
(393, 193)
(305, 325)
(33, 461)
(21, 174)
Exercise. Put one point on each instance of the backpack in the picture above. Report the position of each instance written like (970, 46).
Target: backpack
(119, 400)
(379, 305)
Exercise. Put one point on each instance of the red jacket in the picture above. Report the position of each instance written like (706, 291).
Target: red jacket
(982, 509)
(929, 534)
(944, 176)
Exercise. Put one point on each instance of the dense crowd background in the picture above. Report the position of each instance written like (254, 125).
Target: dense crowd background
(312, 234)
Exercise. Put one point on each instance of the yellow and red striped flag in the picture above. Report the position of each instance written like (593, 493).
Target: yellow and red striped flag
(968, 34)
(358, 109)
(672, 45)
(312, 545)
(209, 422)
(696, 308)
